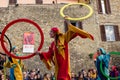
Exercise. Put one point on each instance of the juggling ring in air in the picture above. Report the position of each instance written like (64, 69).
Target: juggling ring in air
(77, 19)
(113, 78)
(8, 41)
(16, 21)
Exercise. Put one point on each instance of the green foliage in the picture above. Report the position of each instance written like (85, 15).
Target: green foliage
(91, 55)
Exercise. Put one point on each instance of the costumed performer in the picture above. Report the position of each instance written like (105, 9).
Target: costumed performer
(15, 66)
(105, 59)
(58, 53)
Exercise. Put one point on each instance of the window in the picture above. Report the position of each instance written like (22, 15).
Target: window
(12, 1)
(109, 33)
(77, 24)
(39, 1)
(103, 6)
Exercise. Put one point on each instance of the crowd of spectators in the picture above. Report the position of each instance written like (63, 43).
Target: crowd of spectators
(84, 74)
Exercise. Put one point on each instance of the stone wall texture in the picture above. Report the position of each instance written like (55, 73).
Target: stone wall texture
(48, 16)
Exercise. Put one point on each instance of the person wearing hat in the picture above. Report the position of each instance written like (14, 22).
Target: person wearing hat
(103, 57)
(58, 53)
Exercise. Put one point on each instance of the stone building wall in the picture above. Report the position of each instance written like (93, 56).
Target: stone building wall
(48, 16)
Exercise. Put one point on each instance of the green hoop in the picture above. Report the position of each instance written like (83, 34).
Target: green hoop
(107, 75)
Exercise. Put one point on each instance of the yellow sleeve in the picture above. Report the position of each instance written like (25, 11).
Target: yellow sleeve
(18, 72)
(73, 30)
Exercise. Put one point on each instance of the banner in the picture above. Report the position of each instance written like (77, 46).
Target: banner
(28, 42)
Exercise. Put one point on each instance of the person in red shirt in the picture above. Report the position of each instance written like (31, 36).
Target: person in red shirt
(95, 55)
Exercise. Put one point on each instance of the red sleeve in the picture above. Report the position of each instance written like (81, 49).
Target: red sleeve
(46, 57)
(95, 55)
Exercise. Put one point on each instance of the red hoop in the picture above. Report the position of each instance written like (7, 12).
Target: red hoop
(16, 21)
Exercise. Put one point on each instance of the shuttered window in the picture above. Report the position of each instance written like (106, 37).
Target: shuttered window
(77, 24)
(103, 6)
(109, 33)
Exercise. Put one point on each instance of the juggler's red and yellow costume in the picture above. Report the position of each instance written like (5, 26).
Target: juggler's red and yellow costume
(58, 51)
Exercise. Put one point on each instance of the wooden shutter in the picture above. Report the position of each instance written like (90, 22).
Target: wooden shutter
(102, 31)
(39, 1)
(80, 25)
(107, 6)
(116, 30)
(65, 26)
(99, 6)
(12, 1)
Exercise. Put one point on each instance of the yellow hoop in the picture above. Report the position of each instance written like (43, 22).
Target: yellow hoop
(76, 19)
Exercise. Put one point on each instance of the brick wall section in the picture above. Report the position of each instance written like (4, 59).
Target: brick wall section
(48, 16)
